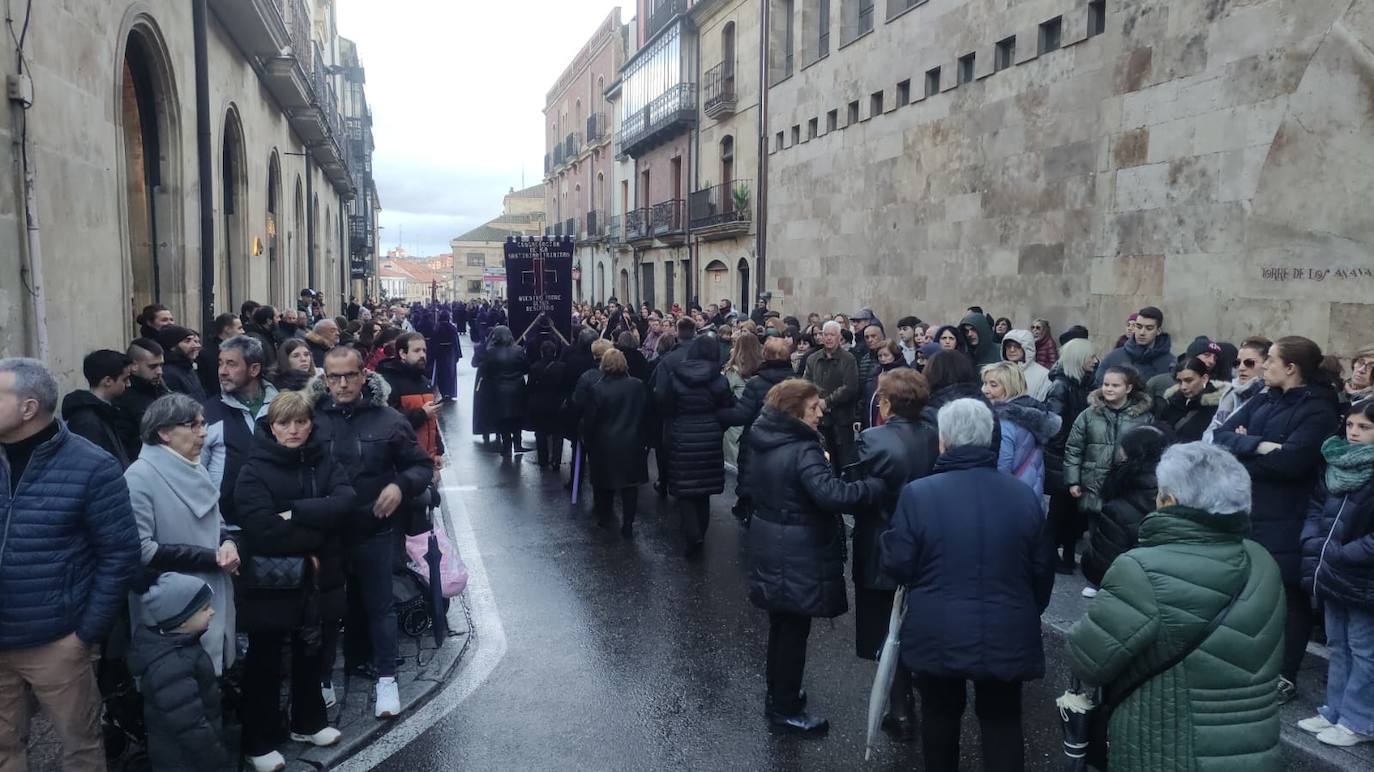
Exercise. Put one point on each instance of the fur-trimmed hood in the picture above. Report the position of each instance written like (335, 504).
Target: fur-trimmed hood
(1032, 415)
(1211, 397)
(1137, 404)
(375, 391)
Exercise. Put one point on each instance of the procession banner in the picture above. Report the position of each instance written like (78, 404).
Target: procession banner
(539, 285)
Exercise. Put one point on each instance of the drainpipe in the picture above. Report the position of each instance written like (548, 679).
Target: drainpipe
(40, 304)
(309, 222)
(345, 262)
(761, 194)
(204, 158)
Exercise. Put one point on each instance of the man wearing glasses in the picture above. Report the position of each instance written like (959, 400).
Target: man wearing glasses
(377, 447)
(1358, 387)
(232, 417)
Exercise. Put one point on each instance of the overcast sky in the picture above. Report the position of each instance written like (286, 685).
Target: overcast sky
(457, 92)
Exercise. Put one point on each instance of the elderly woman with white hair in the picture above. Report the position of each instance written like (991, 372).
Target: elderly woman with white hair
(176, 507)
(971, 547)
(1189, 626)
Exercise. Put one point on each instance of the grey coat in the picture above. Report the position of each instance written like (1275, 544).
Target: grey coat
(176, 506)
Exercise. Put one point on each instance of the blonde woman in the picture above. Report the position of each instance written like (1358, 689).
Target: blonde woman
(746, 356)
(1027, 424)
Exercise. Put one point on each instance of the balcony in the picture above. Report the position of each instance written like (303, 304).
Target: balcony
(722, 211)
(637, 225)
(548, 164)
(257, 26)
(558, 229)
(287, 68)
(572, 146)
(570, 227)
(663, 12)
(719, 85)
(671, 113)
(596, 225)
(667, 219)
(360, 234)
(558, 155)
(614, 232)
(598, 128)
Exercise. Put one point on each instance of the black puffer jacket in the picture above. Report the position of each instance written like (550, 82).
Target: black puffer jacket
(1282, 482)
(181, 705)
(308, 483)
(98, 421)
(503, 369)
(747, 410)
(1067, 398)
(1128, 497)
(698, 398)
(896, 453)
(796, 539)
(180, 375)
(132, 404)
(375, 446)
(1338, 547)
(613, 428)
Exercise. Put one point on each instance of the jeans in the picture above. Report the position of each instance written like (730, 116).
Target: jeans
(1350, 679)
(262, 677)
(1297, 629)
(787, 634)
(373, 561)
(61, 675)
(998, 706)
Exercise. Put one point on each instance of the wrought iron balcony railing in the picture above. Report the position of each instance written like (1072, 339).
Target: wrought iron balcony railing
(719, 90)
(723, 204)
(667, 217)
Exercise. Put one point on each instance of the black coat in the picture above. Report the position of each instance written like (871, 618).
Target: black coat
(747, 409)
(1128, 497)
(1187, 419)
(576, 361)
(180, 376)
(307, 482)
(503, 371)
(407, 381)
(696, 397)
(796, 538)
(896, 453)
(1338, 547)
(613, 430)
(100, 422)
(207, 367)
(181, 704)
(636, 365)
(132, 404)
(375, 447)
(1282, 482)
(545, 388)
(1067, 398)
(971, 547)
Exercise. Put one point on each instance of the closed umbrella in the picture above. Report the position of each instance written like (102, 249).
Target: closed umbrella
(437, 609)
(887, 670)
(1075, 716)
(577, 471)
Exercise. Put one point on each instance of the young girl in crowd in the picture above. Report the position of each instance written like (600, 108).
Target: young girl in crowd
(1338, 569)
(1128, 497)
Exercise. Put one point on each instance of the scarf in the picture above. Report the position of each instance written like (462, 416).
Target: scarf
(1348, 466)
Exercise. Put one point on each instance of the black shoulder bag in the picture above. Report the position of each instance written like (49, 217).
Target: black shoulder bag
(1097, 755)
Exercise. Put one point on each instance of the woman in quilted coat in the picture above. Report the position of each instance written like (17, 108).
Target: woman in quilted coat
(1217, 708)
(1338, 567)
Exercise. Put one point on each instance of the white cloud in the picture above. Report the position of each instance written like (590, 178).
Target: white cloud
(457, 91)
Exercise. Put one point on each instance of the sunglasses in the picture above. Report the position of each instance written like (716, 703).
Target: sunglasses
(1249, 362)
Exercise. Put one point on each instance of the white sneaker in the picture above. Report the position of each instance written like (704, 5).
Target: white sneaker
(1315, 724)
(321, 739)
(388, 698)
(269, 762)
(1089, 592)
(327, 691)
(1339, 736)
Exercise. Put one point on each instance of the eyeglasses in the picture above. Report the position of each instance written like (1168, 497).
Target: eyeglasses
(198, 423)
(340, 377)
(1362, 364)
(1248, 363)
(1036, 327)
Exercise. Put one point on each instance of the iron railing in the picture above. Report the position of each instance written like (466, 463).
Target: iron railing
(674, 107)
(636, 224)
(667, 217)
(572, 145)
(596, 222)
(570, 227)
(719, 85)
(662, 13)
(729, 202)
(558, 155)
(614, 232)
(548, 163)
(597, 127)
(298, 24)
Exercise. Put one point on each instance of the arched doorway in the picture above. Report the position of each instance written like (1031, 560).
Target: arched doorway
(314, 246)
(625, 287)
(717, 282)
(148, 126)
(746, 303)
(232, 283)
(276, 270)
(599, 283)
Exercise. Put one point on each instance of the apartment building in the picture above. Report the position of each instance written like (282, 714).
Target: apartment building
(479, 259)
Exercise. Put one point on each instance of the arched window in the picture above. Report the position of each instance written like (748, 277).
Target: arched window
(727, 56)
(276, 269)
(296, 245)
(233, 280)
(727, 172)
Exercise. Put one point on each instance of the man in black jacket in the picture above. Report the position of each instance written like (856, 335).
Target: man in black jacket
(92, 414)
(181, 347)
(377, 447)
(145, 387)
(224, 327)
(405, 374)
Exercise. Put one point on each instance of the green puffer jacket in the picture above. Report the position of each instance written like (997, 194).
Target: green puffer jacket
(1093, 441)
(1218, 709)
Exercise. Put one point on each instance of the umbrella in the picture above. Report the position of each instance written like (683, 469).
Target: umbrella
(577, 471)
(887, 670)
(1075, 716)
(436, 590)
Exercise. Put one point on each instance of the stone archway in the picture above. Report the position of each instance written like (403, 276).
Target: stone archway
(234, 268)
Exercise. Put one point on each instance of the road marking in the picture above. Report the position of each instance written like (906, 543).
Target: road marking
(488, 645)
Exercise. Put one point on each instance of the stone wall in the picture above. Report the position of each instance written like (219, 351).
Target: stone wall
(1210, 157)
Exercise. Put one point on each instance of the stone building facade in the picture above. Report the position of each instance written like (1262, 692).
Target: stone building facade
(578, 165)
(1076, 160)
(126, 190)
(721, 206)
(479, 257)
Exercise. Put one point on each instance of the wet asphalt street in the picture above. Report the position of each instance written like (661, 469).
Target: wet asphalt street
(623, 655)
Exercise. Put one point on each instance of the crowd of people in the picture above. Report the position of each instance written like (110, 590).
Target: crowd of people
(1218, 502)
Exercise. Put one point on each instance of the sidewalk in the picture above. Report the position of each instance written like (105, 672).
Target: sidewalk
(423, 672)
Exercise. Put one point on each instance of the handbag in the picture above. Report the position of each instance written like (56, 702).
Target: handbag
(268, 572)
(1100, 716)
